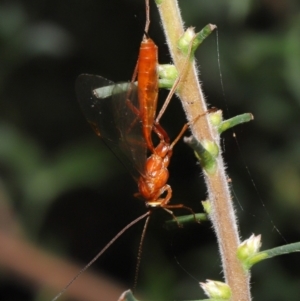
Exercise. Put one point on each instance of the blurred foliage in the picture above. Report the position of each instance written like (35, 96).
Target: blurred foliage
(65, 187)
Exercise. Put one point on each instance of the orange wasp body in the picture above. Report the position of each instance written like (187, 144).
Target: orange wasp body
(124, 116)
(147, 78)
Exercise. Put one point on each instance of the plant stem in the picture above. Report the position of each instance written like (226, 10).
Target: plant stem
(223, 214)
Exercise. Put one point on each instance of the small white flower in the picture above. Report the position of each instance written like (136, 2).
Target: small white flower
(249, 247)
(216, 290)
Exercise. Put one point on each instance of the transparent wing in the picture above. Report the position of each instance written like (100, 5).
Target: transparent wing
(112, 111)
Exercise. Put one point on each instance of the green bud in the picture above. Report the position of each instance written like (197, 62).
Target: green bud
(211, 147)
(191, 37)
(216, 290)
(167, 71)
(216, 118)
(247, 251)
(206, 206)
(185, 40)
(165, 83)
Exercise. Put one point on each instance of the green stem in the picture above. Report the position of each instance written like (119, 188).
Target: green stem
(222, 215)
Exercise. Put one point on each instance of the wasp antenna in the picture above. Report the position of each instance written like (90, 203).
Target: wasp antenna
(100, 253)
(138, 263)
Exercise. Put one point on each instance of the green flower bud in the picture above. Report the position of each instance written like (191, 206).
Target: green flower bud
(216, 118)
(216, 290)
(211, 147)
(167, 71)
(206, 206)
(248, 250)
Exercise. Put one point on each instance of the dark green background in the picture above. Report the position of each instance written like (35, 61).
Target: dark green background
(71, 195)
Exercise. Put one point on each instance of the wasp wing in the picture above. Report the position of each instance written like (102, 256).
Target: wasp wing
(112, 111)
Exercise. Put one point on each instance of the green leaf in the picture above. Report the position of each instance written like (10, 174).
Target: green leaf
(185, 220)
(229, 123)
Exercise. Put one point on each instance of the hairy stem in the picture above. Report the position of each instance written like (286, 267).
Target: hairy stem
(222, 214)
